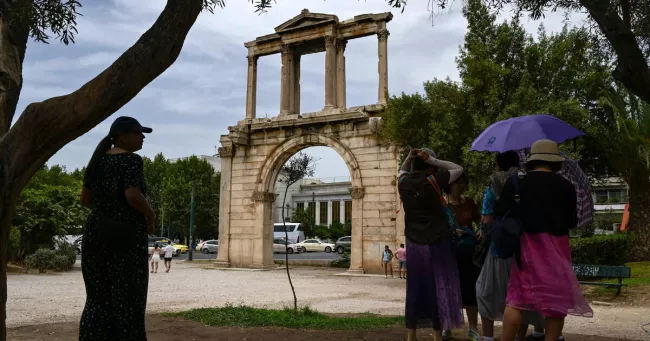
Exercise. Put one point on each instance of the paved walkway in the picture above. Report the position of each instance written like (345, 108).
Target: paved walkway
(36, 299)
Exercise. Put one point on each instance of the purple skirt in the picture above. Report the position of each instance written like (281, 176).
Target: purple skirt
(433, 297)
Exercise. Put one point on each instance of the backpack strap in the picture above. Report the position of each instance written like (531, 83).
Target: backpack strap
(432, 180)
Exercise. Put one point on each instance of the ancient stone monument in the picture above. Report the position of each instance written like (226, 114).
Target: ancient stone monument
(256, 148)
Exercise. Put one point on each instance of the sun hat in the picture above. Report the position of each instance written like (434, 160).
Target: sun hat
(545, 150)
(125, 124)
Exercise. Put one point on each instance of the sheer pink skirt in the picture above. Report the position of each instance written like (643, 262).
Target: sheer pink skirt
(546, 282)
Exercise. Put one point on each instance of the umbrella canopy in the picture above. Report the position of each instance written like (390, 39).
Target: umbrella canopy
(521, 132)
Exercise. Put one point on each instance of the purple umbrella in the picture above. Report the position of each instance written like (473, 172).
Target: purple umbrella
(521, 132)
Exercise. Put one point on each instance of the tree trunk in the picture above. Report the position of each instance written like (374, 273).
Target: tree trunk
(45, 127)
(639, 223)
(631, 65)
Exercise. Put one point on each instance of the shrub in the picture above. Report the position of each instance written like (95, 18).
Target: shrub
(322, 232)
(42, 259)
(62, 263)
(601, 249)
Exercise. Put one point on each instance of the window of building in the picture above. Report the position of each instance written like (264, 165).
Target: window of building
(348, 211)
(300, 206)
(322, 218)
(336, 212)
(611, 196)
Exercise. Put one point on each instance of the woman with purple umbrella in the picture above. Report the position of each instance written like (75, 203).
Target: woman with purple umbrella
(543, 279)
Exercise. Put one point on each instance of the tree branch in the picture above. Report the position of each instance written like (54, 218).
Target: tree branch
(45, 127)
(632, 67)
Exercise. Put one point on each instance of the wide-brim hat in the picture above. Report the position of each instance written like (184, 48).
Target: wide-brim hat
(545, 150)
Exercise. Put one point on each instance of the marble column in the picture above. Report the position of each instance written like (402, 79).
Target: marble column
(287, 80)
(340, 74)
(356, 256)
(382, 36)
(296, 84)
(251, 90)
(226, 154)
(330, 72)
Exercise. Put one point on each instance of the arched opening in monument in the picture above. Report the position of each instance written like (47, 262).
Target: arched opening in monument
(317, 210)
(361, 81)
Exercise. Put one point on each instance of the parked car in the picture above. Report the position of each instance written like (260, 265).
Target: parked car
(210, 246)
(344, 244)
(178, 248)
(77, 244)
(315, 245)
(280, 245)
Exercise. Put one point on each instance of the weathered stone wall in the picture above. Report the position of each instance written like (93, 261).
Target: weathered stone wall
(252, 156)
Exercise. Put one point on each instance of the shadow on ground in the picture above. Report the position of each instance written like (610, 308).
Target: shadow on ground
(168, 329)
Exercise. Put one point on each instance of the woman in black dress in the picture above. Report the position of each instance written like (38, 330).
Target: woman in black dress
(115, 245)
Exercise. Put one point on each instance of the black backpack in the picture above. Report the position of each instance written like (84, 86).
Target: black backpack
(507, 229)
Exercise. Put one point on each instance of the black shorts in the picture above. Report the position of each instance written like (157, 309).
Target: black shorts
(168, 259)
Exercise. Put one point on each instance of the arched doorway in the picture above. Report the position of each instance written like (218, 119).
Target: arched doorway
(252, 156)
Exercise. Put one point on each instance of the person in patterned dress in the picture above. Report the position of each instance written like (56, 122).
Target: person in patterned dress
(115, 244)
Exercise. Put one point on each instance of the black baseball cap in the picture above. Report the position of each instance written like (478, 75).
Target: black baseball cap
(125, 125)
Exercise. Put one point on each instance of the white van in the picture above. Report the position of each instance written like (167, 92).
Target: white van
(294, 230)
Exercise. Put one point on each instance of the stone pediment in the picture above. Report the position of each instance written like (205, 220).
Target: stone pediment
(305, 19)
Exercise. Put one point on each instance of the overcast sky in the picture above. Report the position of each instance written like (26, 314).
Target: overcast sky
(194, 101)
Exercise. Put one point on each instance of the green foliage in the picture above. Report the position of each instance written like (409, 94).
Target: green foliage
(304, 217)
(14, 243)
(47, 259)
(169, 190)
(504, 72)
(322, 232)
(338, 230)
(305, 318)
(42, 259)
(601, 249)
(48, 207)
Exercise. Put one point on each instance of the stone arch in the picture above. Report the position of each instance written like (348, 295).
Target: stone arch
(284, 151)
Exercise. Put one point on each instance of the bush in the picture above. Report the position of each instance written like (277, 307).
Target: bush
(322, 232)
(601, 249)
(42, 259)
(62, 259)
(62, 263)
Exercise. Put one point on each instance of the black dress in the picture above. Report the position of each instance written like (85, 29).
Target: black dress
(115, 272)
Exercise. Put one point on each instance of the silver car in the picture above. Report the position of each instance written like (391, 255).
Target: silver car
(210, 246)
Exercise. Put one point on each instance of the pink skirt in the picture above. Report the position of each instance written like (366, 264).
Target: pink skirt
(546, 282)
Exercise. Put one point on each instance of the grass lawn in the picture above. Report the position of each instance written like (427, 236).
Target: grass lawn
(243, 316)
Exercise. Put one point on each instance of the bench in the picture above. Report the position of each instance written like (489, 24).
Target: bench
(601, 271)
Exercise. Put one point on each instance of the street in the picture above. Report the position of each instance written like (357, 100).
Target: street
(277, 256)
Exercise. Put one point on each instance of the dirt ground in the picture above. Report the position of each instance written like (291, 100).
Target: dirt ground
(168, 329)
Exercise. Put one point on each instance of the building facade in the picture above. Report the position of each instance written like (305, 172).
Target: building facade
(329, 198)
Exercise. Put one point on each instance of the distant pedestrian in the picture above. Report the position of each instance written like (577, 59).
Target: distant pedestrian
(169, 253)
(400, 254)
(387, 261)
(154, 258)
